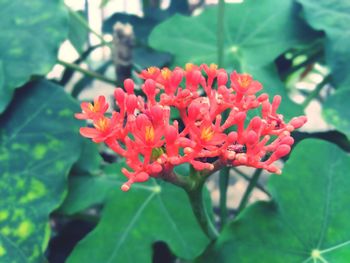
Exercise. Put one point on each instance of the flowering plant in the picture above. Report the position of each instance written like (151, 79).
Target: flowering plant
(191, 148)
(215, 130)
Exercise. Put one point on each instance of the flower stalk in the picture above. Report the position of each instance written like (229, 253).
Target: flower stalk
(201, 213)
(86, 72)
(252, 184)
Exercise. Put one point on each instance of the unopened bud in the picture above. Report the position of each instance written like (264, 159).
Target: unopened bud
(141, 177)
(149, 88)
(252, 137)
(297, 122)
(125, 187)
(222, 78)
(129, 86)
(282, 150)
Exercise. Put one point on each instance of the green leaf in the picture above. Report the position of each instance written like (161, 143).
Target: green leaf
(336, 110)
(90, 159)
(31, 32)
(86, 191)
(308, 220)
(78, 34)
(146, 57)
(333, 17)
(39, 143)
(269, 78)
(255, 34)
(131, 222)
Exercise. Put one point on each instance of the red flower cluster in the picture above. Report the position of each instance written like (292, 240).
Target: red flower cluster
(142, 130)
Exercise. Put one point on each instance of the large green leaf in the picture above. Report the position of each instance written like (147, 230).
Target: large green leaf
(131, 222)
(307, 222)
(336, 110)
(85, 191)
(147, 57)
(89, 161)
(31, 32)
(333, 17)
(255, 34)
(39, 143)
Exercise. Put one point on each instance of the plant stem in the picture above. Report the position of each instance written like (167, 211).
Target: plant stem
(68, 73)
(316, 91)
(201, 213)
(223, 185)
(220, 33)
(85, 24)
(224, 172)
(87, 72)
(246, 177)
(253, 182)
(193, 186)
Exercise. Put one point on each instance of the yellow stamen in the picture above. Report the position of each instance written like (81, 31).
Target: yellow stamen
(244, 81)
(149, 134)
(166, 73)
(213, 66)
(94, 108)
(188, 66)
(102, 124)
(152, 70)
(207, 133)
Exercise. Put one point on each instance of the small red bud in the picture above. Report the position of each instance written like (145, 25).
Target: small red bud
(141, 177)
(297, 122)
(252, 137)
(171, 134)
(282, 150)
(149, 88)
(129, 86)
(222, 78)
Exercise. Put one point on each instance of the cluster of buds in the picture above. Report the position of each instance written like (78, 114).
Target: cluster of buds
(215, 128)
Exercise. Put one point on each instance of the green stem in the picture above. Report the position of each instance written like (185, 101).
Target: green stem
(316, 91)
(85, 24)
(220, 33)
(87, 72)
(201, 213)
(224, 172)
(253, 182)
(246, 177)
(193, 185)
(223, 185)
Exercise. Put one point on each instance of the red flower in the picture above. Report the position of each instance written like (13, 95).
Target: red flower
(150, 73)
(244, 83)
(92, 111)
(142, 132)
(104, 128)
